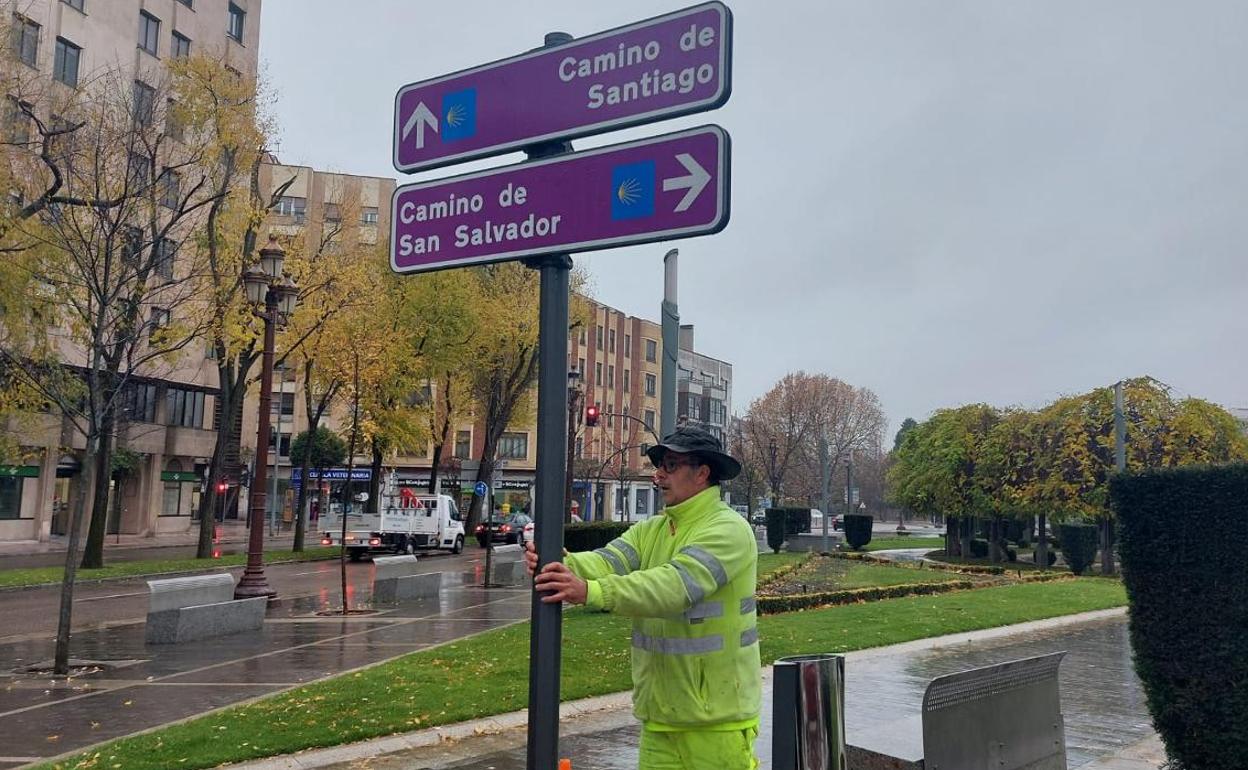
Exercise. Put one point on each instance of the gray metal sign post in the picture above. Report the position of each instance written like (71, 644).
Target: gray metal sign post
(549, 504)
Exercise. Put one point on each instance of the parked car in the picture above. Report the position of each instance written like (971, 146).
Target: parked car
(759, 519)
(508, 528)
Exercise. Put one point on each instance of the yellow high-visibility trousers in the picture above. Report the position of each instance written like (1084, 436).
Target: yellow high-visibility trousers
(698, 750)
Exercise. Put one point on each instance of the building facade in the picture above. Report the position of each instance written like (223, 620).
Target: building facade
(165, 435)
(703, 388)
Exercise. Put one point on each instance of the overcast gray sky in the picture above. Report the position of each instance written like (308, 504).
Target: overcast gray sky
(946, 202)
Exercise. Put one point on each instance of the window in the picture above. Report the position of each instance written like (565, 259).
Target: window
(170, 185)
(184, 408)
(65, 66)
(25, 40)
(650, 419)
(611, 341)
(16, 122)
(650, 384)
(580, 446)
(160, 319)
(598, 338)
(463, 444)
(626, 380)
(292, 207)
(610, 376)
(580, 366)
(139, 402)
(75, 4)
(628, 346)
(188, 3)
(283, 404)
(513, 446)
(140, 170)
(165, 251)
(279, 443)
(368, 215)
(582, 337)
(174, 128)
(235, 28)
(171, 502)
(131, 245)
(149, 32)
(652, 351)
(598, 373)
(610, 418)
(11, 497)
(332, 213)
(181, 46)
(144, 103)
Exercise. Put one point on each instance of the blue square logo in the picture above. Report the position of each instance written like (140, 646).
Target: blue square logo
(632, 190)
(459, 115)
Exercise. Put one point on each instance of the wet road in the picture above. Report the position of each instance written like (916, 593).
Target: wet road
(141, 686)
(33, 611)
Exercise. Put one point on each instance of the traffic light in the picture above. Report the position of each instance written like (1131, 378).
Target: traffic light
(591, 416)
(222, 487)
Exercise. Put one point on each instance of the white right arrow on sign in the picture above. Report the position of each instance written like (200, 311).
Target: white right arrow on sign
(420, 117)
(693, 182)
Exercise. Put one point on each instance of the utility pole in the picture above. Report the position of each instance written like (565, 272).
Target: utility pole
(671, 345)
(825, 487)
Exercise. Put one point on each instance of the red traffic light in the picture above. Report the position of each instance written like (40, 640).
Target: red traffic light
(222, 487)
(591, 416)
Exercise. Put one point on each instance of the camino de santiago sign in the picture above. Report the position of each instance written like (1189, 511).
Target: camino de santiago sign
(671, 65)
(672, 186)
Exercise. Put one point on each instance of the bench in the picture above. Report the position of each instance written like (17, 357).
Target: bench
(185, 609)
(394, 581)
(507, 565)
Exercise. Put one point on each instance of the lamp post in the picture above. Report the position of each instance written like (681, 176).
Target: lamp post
(574, 411)
(272, 299)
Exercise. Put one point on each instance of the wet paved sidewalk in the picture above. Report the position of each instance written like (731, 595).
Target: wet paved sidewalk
(1107, 723)
(149, 685)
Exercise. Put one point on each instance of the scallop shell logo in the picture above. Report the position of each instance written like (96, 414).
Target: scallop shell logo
(629, 191)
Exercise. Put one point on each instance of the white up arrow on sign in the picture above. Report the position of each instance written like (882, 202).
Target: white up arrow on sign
(693, 182)
(420, 117)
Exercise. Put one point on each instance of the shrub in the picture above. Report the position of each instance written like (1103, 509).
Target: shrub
(1011, 554)
(770, 605)
(587, 537)
(979, 549)
(776, 525)
(1016, 531)
(857, 530)
(1185, 566)
(1079, 544)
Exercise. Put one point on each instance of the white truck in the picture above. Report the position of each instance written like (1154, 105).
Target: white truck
(408, 522)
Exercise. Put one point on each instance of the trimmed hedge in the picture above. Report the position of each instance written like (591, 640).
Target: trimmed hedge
(770, 605)
(1079, 544)
(776, 526)
(979, 549)
(857, 530)
(1185, 566)
(595, 534)
(965, 569)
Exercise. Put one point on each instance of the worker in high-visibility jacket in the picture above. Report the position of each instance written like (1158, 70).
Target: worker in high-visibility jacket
(686, 577)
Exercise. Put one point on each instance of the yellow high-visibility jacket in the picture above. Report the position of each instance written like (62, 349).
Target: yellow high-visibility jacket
(687, 579)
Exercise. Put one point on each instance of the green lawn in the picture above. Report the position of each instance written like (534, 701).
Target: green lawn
(43, 575)
(488, 674)
(768, 563)
(887, 543)
(870, 575)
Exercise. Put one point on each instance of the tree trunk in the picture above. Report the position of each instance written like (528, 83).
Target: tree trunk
(93, 553)
(374, 483)
(1042, 542)
(301, 506)
(1107, 546)
(485, 472)
(996, 552)
(967, 532)
(953, 543)
(434, 469)
(60, 666)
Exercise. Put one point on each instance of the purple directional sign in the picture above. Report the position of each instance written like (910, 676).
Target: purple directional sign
(662, 188)
(670, 65)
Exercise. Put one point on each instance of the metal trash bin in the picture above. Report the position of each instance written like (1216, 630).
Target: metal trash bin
(808, 713)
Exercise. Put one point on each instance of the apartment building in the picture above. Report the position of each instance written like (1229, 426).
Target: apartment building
(165, 433)
(703, 388)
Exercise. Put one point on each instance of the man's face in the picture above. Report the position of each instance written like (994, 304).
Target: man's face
(680, 477)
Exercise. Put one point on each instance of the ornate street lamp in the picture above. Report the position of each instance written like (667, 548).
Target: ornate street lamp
(273, 299)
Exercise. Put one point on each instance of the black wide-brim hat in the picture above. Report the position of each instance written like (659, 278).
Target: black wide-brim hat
(690, 439)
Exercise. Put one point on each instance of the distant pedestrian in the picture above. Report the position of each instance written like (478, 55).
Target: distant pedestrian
(687, 579)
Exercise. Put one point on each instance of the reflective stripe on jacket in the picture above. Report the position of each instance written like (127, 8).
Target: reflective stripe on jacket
(687, 579)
